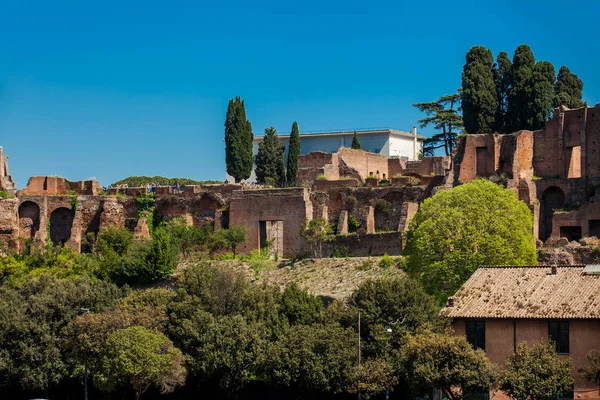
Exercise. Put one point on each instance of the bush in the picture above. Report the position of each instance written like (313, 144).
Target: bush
(343, 252)
(114, 239)
(386, 261)
(353, 224)
(259, 261)
(228, 238)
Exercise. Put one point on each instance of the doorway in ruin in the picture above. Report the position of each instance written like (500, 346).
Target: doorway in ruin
(61, 222)
(570, 232)
(29, 219)
(594, 227)
(553, 198)
(271, 237)
(481, 161)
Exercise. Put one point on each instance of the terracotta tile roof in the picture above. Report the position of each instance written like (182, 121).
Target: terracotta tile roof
(528, 292)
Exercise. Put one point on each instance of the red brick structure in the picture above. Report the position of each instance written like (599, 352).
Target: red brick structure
(500, 307)
(6, 182)
(53, 185)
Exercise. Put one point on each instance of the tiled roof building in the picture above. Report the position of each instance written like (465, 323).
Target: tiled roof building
(502, 306)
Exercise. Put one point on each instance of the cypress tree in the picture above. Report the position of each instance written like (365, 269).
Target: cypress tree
(568, 89)
(519, 95)
(293, 153)
(542, 95)
(355, 143)
(479, 97)
(502, 77)
(270, 167)
(238, 141)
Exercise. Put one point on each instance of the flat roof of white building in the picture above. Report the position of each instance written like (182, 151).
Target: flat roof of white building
(364, 132)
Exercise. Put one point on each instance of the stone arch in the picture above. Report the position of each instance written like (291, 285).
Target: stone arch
(61, 222)
(29, 219)
(553, 198)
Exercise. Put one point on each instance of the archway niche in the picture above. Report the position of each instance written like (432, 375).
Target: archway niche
(29, 219)
(553, 198)
(61, 222)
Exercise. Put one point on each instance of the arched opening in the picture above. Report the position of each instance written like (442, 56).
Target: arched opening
(29, 219)
(61, 221)
(553, 198)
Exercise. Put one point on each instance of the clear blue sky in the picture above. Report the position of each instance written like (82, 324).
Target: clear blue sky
(116, 88)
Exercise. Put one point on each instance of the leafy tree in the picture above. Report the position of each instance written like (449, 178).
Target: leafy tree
(313, 358)
(591, 371)
(114, 239)
(299, 306)
(189, 237)
(502, 78)
(229, 238)
(355, 143)
(373, 377)
(568, 89)
(142, 359)
(449, 363)
(293, 153)
(456, 231)
(137, 181)
(442, 116)
(537, 373)
(479, 96)
(316, 232)
(163, 256)
(519, 95)
(269, 160)
(542, 95)
(238, 141)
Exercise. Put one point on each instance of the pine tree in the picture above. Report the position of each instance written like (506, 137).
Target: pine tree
(502, 78)
(519, 95)
(479, 97)
(293, 153)
(542, 95)
(355, 143)
(568, 89)
(269, 160)
(238, 141)
(444, 117)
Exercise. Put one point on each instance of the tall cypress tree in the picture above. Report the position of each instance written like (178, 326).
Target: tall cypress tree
(568, 89)
(502, 78)
(479, 97)
(238, 141)
(519, 95)
(355, 143)
(293, 153)
(542, 95)
(269, 160)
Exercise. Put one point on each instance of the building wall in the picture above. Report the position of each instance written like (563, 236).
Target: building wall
(502, 336)
(404, 147)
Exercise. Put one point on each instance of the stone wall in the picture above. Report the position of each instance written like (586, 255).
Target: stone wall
(6, 182)
(376, 244)
(52, 186)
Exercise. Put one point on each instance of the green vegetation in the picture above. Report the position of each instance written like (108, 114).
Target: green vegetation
(479, 97)
(537, 372)
(270, 166)
(355, 143)
(238, 141)
(568, 89)
(443, 116)
(5, 195)
(137, 181)
(456, 231)
(353, 224)
(229, 238)
(316, 232)
(293, 153)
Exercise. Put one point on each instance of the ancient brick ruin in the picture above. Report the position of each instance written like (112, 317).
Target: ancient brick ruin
(556, 171)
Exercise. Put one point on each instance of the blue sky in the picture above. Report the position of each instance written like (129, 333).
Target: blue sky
(109, 89)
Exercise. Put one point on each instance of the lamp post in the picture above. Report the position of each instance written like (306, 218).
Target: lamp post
(85, 370)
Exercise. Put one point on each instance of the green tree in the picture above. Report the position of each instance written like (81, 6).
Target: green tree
(299, 306)
(456, 231)
(568, 89)
(293, 153)
(502, 78)
(373, 377)
(442, 116)
(163, 256)
(316, 232)
(229, 238)
(591, 371)
(238, 141)
(479, 96)
(313, 358)
(142, 359)
(536, 373)
(449, 363)
(114, 239)
(542, 95)
(355, 143)
(269, 160)
(519, 95)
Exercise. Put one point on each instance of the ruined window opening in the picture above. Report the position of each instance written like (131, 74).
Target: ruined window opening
(481, 161)
(553, 198)
(571, 232)
(573, 164)
(594, 227)
(558, 332)
(476, 334)
(271, 237)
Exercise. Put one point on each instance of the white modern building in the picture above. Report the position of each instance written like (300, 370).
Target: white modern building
(388, 142)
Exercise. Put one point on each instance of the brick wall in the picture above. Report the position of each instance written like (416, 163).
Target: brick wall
(52, 186)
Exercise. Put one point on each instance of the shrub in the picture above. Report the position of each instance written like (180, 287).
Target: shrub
(5, 195)
(114, 239)
(383, 206)
(259, 261)
(353, 224)
(343, 252)
(229, 238)
(386, 261)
